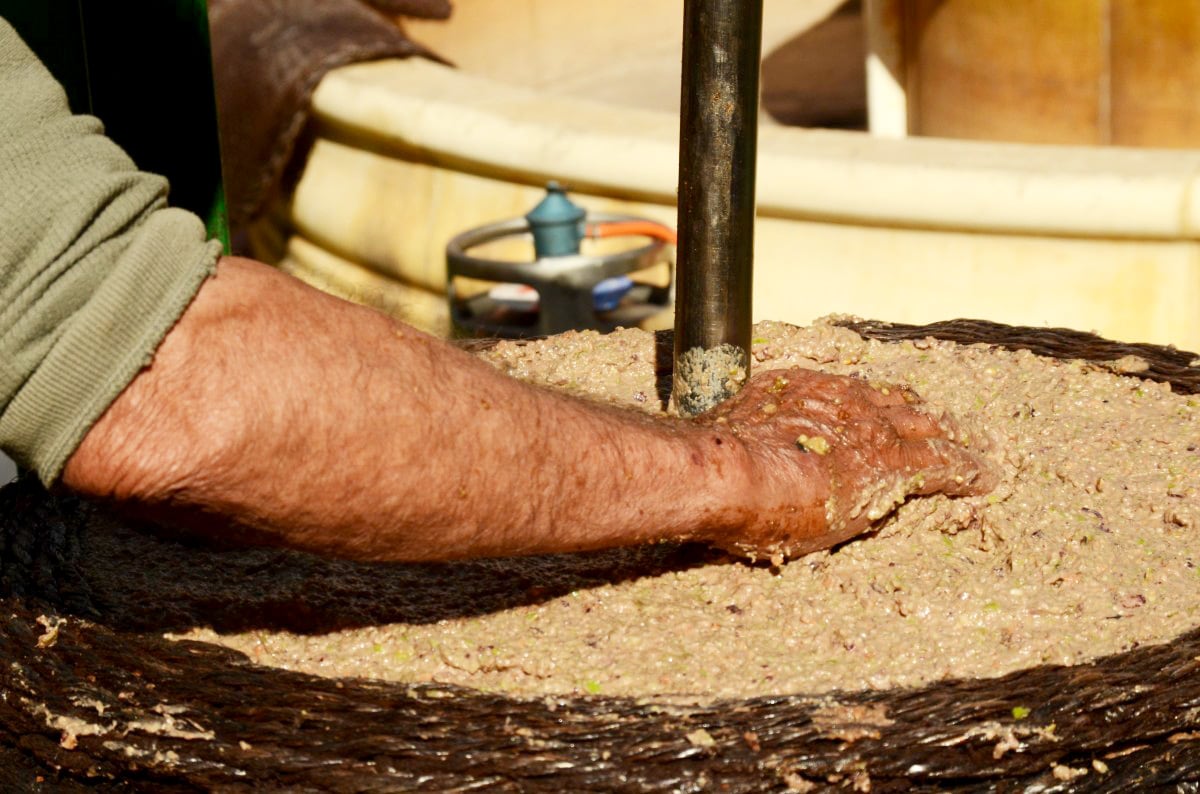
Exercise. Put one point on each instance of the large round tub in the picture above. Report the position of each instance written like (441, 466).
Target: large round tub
(409, 153)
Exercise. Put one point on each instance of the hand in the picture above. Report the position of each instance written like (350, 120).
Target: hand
(830, 455)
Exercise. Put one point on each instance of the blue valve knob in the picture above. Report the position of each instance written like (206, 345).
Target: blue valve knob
(556, 223)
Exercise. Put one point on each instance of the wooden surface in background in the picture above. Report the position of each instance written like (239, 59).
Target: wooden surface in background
(1073, 71)
(1156, 72)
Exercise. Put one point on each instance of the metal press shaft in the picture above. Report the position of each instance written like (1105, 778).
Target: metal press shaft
(722, 43)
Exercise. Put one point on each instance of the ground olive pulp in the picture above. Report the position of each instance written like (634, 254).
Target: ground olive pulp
(1087, 547)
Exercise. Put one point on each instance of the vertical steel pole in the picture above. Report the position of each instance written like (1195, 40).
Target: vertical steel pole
(722, 44)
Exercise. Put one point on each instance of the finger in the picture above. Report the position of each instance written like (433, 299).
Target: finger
(885, 395)
(914, 425)
(947, 467)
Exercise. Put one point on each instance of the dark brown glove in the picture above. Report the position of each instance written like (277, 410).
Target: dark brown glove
(429, 9)
(268, 56)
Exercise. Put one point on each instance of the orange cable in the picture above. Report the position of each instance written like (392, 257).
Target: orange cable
(628, 228)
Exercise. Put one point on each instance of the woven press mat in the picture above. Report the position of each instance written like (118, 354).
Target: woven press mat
(92, 697)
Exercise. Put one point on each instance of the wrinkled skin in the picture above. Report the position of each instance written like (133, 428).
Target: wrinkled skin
(865, 449)
(264, 381)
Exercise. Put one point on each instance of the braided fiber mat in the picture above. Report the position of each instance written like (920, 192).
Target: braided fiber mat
(92, 698)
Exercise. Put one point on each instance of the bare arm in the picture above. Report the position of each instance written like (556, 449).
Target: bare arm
(291, 417)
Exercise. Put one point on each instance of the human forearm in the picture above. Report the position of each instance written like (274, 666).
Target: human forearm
(274, 413)
(326, 426)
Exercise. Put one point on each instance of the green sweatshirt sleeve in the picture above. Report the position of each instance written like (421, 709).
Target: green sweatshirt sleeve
(95, 269)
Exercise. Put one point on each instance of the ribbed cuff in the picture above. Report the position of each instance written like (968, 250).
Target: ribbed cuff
(110, 340)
